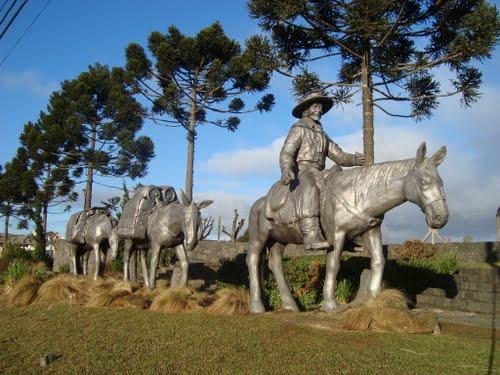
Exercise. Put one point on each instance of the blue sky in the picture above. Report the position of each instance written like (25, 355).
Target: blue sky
(234, 169)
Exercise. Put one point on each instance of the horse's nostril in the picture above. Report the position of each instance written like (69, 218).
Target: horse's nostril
(438, 217)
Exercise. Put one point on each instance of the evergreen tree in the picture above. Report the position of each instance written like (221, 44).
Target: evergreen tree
(388, 49)
(198, 80)
(100, 119)
(40, 176)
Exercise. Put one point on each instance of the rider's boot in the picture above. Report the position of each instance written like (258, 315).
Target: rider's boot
(313, 238)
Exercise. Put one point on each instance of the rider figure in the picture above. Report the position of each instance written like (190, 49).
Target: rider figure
(303, 155)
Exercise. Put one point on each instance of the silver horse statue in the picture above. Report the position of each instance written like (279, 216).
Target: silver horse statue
(171, 226)
(354, 202)
(98, 234)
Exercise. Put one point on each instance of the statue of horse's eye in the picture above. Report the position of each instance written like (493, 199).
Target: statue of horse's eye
(423, 182)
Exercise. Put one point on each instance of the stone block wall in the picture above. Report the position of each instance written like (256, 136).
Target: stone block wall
(475, 289)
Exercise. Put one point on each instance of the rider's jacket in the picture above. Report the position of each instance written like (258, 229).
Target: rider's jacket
(307, 145)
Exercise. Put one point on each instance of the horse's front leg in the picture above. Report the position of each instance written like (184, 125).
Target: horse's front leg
(155, 255)
(74, 253)
(180, 250)
(372, 240)
(144, 266)
(126, 259)
(330, 303)
(97, 253)
(275, 265)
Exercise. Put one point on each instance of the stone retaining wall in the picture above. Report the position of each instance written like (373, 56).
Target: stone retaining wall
(475, 289)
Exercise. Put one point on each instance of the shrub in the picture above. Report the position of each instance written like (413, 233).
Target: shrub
(12, 252)
(231, 301)
(64, 268)
(24, 292)
(415, 250)
(345, 290)
(445, 264)
(116, 265)
(16, 270)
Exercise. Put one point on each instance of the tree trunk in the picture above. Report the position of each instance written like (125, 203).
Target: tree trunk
(191, 136)
(6, 231)
(40, 235)
(46, 206)
(90, 173)
(367, 97)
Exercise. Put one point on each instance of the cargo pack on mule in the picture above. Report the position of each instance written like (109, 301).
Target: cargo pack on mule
(75, 230)
(134, 218)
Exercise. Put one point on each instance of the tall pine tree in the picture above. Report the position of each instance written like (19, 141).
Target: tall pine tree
(198, 80)
(100, 119)
(389, 50)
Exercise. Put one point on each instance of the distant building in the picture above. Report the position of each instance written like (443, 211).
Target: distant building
(27, 242)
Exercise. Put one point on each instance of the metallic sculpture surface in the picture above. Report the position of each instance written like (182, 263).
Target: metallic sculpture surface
(168, 225)
(303, 155)
(91, 230)
(350, 203)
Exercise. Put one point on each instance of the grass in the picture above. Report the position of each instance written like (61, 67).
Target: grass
(123, 340)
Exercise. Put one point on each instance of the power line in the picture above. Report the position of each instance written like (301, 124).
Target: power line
(25, 32)
(13, 18)
(8, 11)
(3, 5)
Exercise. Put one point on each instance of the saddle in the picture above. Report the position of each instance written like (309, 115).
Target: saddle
(75, 230)
(280, 201)
(134, 218)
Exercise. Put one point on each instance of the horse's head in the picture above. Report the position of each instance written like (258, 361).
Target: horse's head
(424, 187)
(191, 220)
(114, 241)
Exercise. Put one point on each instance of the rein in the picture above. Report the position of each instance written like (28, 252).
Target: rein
(371, 221)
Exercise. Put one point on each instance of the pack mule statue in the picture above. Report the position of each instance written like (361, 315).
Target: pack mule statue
(89, 230)
(167, 224)
(350, 203)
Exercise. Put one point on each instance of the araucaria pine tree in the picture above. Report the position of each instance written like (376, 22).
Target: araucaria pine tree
(198, 80)
(389, 50)
(101, 119)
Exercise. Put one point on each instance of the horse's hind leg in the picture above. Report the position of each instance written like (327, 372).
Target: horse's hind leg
(180, 250)
(372, 240)
(85, 262)
(253, 260)
(330, 303)
(97, 253)
(275, 265)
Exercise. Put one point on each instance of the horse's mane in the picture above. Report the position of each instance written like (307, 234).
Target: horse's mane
(362, 180)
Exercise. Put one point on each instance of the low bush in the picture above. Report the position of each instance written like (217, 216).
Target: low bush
(12, 252)
(17, 269)
(64, 268)
(415, 250)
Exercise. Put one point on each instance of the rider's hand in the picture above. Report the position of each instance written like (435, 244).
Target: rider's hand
(287, 176)
(359, 159)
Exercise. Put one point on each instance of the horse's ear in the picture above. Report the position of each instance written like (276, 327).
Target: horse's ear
(422, 149)
(184, 199)
(438, 157)
(204, 204)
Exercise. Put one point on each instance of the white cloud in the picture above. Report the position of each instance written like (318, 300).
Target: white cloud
(27, 80)
(248, 161)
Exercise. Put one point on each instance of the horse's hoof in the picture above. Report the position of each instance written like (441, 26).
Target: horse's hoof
(290, 307)
(257, 308)
(330, 306)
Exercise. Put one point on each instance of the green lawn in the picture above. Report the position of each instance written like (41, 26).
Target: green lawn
(119, 340)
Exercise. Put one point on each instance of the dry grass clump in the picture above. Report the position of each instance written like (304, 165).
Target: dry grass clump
(389, 298)
(106, 292)
(24, 292)
(175, 300)
(389, 312)
(231, 301)
(63, 289)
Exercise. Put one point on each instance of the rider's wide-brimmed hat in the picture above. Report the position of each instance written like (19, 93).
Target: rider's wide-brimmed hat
(315, 97)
